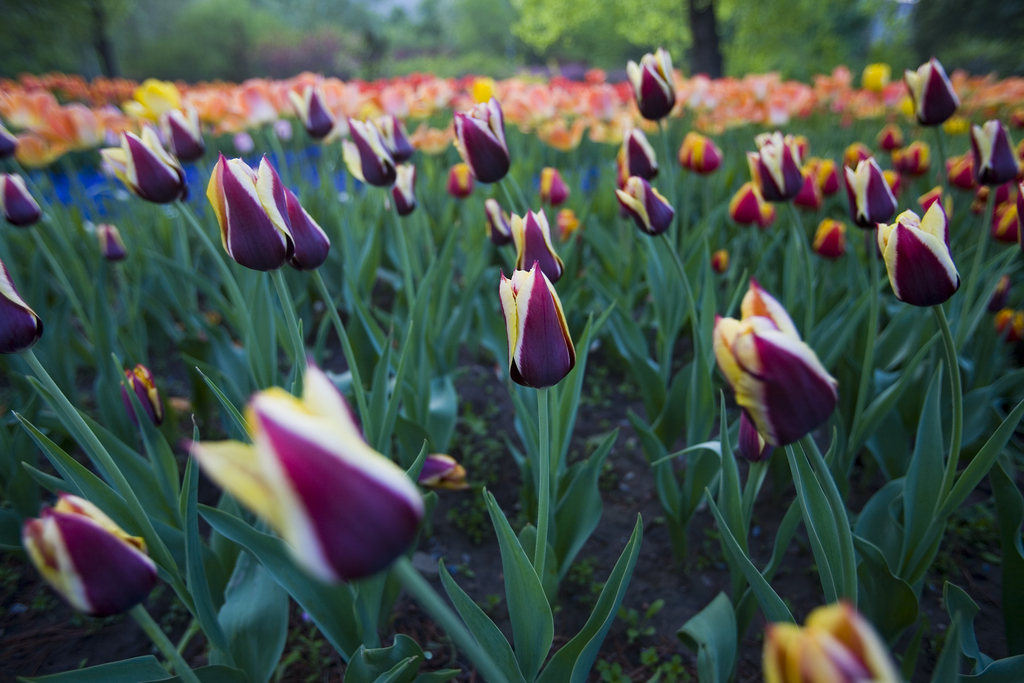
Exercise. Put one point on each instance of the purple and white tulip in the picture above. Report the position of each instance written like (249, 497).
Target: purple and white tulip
(640, 158)
(871, 199)
(367, 156)
(775, 167)
(146, 168)
(17, 205)
(994, 160)
(498, 227)
(403, 192)
(651, 212)
(8, 143)
(480, 139)
(184, 133)
(111, 245)
(396, 138)
(312, 111)
(917, 257)
(931, 93)
(20, 327)
(653, 84)
(310, 242)
(532, 236)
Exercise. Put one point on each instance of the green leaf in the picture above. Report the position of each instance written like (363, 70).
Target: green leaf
(213, 674)
(578, 510)
(923, 483)
(823, 473)
(711, 633)
(887, 601)
(959, 604)
(819, 523)
(1010, 513)
(136, 670)
(532, 623)
(198, 585)
(948, 666)
(395, 664)
(572, 663)
(228, 406)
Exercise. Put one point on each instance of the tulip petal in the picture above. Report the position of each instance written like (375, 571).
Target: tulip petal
(250, 236)
(920, 269)
(544, 352)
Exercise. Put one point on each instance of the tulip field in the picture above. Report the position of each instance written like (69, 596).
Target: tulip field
(521, 381)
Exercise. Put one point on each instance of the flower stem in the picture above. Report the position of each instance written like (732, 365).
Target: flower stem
(403, 254)
(668, 163)
(967, 303)
(285, 296)
(508, 196)
(867, 368)
(958, 401)
(686, 282)
(941, 144)
(346, 347)
(805, 253)
(437, 608)
(543, 483)
(162, 643)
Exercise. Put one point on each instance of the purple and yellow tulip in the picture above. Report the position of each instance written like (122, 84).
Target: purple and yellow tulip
(367, 156)
(553, 189)
(498, 227)
(111, 245)
(653, 84)
(396, 138)
(309, 241)
(316, 118)
(20, 327)
(775, 167)
(890, 138)
(994, 160)
(1000, 295)
(17, 205)
(480, 139)
(140, 380)
(699, 154)
(830, 239)
(460, 181)
(747, 207)
(720, 261)
(651, 212)
(917, 258)
(403, 192)
(443, 472)
(532, 236)
(146, 168)
(871, 198)
(931, 93)
(750, 444)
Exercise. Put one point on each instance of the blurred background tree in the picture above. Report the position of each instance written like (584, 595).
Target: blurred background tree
(239, 39)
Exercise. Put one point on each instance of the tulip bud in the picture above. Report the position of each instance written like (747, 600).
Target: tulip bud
(142, 382)
(828, 179)
(720, 261)
(312, 111)
(460, 181)
(871, 198)
(396, 138)
(146, 169)
(403, 193)
(830, 239)
(480, 139)
(751, 445)
(482, 89)
(994, 160)
(699, 154)
(653, 84)
(567, 223)
(1009, 325)
(532, 236)
(443, 472)
(16, 204)
(917, 258)
(111, 245)
(855, 153)
(915, 160)
(243, 143)
(553, 189)
(637, 157)
(748, 208)
(981, 197)
(8, 143)
(836, 645)
(935, 195)
(651, 212)
(344, 510)
(309, 240)
(777, 378)
(1000, 295)
(931, 93)
(775, 168)
(252, 211)
(876, 77)
(1004, 223)
(183, 131)
(809, 196)
(890, 138)
(366, 155)
(894, 180)
(20, 327)
(87, 558)
(540, 350)
(498, 228)
(960, 171)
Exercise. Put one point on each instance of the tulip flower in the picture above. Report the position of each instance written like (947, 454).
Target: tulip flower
(894, 180)
(775, 167)
(87, 558)
(637, 155)
(809, 196)
(960, 171)
(803, 145)
(111, 244)
(396, 138)
(830, 239)
(876, 77)
(8, 143)
(480, 139)
(653, 84)
(403, 192)
(182, 130)
(890, 138)
(366, 155)
(751, 445)
(917, 258)
(460, 181)
(748, 208)
(915, 160)
(309, 240)
(981, 197)
(482, 89)
(835, 645)
(994, 160)
(1004, 223)
(871, 198)
(146, 169)
(532, 236)
(442, 472)
(567, 223)
(498, 227)
(153, 98)
(931, 92)
(344, 510)
(1009, 324)
(143, 383)
(540, 350)
(252, 211)
(720, 261)
(651, 212)
(18, 207)
(855, 153)
(553, 189)
(312, 111)
(935, 195)
(1000, 295)
(828, 179)
(20, 327)
(699, 154)
(777, 378)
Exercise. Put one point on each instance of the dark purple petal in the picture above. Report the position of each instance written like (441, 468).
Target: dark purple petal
(20, 208)
(252, 239)
(311, 244)
(544, 358)
(8, 143)
(920, 276)
(376, 171)
(319, 121)
(880, 201)
(652, 100)
(939, 102)
(487, 158)
(184, 145)
(659, 213)
(797, 398)
(638, 161)
(749, 441)
(155, 181)
(535, 248)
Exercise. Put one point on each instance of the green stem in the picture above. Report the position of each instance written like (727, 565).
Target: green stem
(805, 254)
(519, 192)
(285, 296)
(439, 610)
(186, 637)
(867, 367)
(755, 478)
(543, 483)
(162, 643)
(668, 163)
(508, 196)
(686, 284)
(943, 176)
(967, 302)
(403, 254)
(346, 347)
(62, 278)
(958, 399)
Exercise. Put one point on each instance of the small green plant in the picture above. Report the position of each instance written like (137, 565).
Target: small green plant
(489, 604)
(581, 578)
(667, 671)
(470, 517)
(612, 673)
(635, 628)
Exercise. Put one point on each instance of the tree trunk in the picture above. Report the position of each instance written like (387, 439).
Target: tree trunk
(100, 40)
(705, 55)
